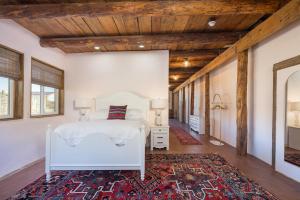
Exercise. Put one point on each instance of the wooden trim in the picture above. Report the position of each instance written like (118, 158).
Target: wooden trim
(138, 8)
(279, 66)
(278, 21)
(192, 97)
(207, 106)
(241, 103)
(183, 105)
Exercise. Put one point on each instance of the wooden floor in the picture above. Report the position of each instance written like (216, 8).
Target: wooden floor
(283, 187)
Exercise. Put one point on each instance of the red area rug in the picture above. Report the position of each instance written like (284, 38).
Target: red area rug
(188, 176)
(184, 137)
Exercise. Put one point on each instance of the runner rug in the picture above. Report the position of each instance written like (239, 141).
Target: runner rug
(184, 137)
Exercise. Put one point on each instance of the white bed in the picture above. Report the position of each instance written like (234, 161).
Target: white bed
(99, 144)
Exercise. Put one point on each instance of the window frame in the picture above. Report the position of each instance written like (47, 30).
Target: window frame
(16, 88)
(59, 96)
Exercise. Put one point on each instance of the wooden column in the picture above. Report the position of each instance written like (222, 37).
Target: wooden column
(241, 103)
(207, 106)
(183, 105)
(192, 97)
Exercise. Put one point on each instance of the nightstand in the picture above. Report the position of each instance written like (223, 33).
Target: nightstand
(159, 137)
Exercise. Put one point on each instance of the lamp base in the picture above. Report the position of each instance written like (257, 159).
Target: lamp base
(216, 142)
(158, 118)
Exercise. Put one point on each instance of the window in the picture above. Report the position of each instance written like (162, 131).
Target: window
(11, 84)
(6, 98)
(44, 100)
(46, 90)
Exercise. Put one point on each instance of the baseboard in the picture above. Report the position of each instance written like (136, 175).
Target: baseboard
(21, 169)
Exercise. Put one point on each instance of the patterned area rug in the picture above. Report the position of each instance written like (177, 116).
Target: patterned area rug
(184, 137)
(293, 158)
(187, 176)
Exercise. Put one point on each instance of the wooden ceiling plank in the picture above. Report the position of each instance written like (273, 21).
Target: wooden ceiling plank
(279, 20)
(120, 25)
(145, 24)
(155, 24)
(131, 25)
(180, 23)
(83, 25)
(94, 25)
(109, 25)
(185, 39)
(167, 24)
(71, 26)
(139, 8)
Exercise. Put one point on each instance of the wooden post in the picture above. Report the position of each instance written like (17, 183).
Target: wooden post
(207, 106)
(183, 105)
(192, 97)
(241, 103)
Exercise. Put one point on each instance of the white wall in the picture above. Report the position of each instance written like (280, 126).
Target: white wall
(199, 102)
(22, 141)
(262, 58)
(92, 75)
(279, 47)
(223, 82)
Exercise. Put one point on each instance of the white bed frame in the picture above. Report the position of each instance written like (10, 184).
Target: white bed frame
(97, 151)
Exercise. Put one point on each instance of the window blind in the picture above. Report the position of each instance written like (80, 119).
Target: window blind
(46, 75)
(10, 64)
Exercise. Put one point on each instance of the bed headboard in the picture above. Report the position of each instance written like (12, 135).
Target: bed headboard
(132, 100)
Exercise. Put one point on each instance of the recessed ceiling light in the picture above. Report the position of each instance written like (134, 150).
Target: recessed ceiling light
(212, 22)
(175, 78)
(186, 62)
(96, 47)
(141, 46)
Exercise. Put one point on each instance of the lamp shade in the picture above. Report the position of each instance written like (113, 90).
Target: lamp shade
(158, 103)
(295, 106)
(83, 103)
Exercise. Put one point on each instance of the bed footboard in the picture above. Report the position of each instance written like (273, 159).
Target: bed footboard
(95, 152)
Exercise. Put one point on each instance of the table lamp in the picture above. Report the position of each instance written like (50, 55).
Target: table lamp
(83, 105)
(295, 108)
(158, 105)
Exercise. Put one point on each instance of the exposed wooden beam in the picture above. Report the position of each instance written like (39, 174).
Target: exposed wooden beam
(279, 20)
(203, 54)
(139, 8)
(241, 103)
(207, 107)
(70, 44)
(187, 70)
(195, 63)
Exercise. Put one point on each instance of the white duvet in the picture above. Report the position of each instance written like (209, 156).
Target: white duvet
(119, 131)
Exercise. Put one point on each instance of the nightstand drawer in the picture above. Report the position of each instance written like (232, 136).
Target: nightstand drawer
(160, 139)
(160, 130)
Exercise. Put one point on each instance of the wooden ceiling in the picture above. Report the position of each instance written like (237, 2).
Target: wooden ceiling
(77, 26)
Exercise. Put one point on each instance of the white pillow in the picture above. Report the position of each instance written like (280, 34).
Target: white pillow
(100, 114)
(134, 114)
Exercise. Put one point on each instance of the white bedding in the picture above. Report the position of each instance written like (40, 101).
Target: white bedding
(119, 131)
